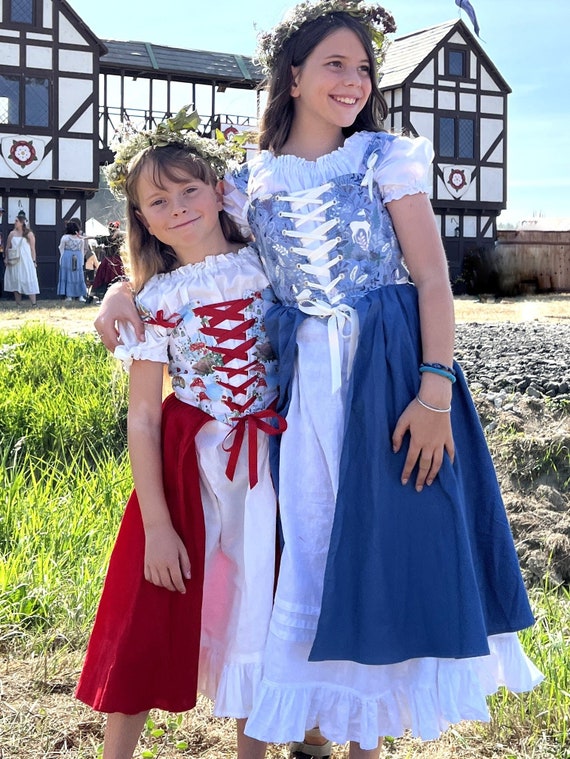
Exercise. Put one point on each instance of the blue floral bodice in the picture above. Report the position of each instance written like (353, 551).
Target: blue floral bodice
(326, 245)
(331, 243)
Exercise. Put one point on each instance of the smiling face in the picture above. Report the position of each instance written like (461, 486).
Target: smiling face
(182, 213)
(333, 84)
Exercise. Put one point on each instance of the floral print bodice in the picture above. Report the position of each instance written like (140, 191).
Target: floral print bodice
(322, 229)
(206, 321)
(71, 242)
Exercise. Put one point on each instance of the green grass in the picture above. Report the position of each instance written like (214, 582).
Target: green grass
(64, 479)
(545, 712)
(61, 397)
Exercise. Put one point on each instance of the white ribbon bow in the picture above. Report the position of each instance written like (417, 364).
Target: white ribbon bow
(368, 180)
(338, 317)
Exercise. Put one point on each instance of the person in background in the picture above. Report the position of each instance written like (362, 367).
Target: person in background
(91, 265)
(2, 266)
(20, 275)
(71, 282)
(111, 268)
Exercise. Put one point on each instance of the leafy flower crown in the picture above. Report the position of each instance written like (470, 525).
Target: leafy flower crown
(180, 130)
(377, 19)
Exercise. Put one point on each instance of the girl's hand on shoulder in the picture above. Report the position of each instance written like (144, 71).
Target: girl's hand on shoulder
(430, 436)
(166, 562)
(117, 306)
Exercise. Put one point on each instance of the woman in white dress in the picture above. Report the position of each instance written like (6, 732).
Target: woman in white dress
(21, 277)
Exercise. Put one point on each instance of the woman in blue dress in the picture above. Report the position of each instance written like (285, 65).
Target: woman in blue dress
(71, 282)
(399, 589)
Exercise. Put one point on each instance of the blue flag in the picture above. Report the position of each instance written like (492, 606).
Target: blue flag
(469, 10)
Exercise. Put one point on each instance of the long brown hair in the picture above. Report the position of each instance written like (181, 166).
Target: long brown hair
(177, 163)
(278, 114)
(25, 228)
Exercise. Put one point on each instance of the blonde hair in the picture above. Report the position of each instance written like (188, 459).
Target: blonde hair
(177, 163)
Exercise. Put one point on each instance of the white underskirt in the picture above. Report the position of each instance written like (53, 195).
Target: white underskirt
(239, 572)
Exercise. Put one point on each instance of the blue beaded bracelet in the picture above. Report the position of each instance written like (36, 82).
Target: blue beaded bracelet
(443, 371)
(445, 368)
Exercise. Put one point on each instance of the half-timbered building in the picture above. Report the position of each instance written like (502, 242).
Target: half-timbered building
(49, 148)
(440, 83)
(64, 92)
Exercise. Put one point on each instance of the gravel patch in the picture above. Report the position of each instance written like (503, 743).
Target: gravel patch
(532, 358)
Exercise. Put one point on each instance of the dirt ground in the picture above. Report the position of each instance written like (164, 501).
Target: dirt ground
(78, 317)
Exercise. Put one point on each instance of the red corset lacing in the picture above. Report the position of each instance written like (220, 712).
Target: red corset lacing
(238, 356)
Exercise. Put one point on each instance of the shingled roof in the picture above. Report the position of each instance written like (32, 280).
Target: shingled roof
(405, 54)
(145, 59)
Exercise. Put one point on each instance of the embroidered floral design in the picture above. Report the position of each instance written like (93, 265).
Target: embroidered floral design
(456, 179)
(23, 152)
(219, 357)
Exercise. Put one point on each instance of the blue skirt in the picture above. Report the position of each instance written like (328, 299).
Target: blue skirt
(71, 281)
(408, 574)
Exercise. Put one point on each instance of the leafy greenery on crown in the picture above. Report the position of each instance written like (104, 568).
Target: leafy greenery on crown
(377, 19)
(179, 130)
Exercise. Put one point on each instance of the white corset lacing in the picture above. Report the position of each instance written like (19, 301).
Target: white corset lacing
(315, 233)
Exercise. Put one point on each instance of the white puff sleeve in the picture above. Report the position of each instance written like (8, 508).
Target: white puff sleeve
(154, 347)
(156, 328)
(402, 167)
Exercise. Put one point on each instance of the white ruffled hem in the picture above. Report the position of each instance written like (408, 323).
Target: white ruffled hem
(232, 686)
(424, 696)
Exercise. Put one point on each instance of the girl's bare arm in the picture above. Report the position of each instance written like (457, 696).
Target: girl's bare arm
(166, 559)
(430, 432)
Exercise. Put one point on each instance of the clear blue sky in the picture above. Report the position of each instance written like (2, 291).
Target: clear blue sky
(527, 41)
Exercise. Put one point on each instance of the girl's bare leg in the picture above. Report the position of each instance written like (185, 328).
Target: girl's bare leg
(248, 748)
(355, 752)
(18, 298)
(122, 734)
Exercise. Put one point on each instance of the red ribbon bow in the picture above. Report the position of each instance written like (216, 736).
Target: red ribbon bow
(253, 423)
(160, 320)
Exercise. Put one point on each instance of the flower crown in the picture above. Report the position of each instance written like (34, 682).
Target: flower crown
(377, 19)
(179, 130)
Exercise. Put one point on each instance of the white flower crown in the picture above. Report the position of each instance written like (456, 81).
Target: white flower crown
(179, 130)
(377, 19)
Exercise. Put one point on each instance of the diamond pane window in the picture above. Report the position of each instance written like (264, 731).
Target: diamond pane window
(9, 100)
(22, 11)
(456, 63)
(447, 137)
(37, 102)
(466, 138)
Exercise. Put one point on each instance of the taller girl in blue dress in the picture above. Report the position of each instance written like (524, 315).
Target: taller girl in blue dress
(399, 591)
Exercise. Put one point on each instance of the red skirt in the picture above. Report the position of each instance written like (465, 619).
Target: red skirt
(144, 648)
